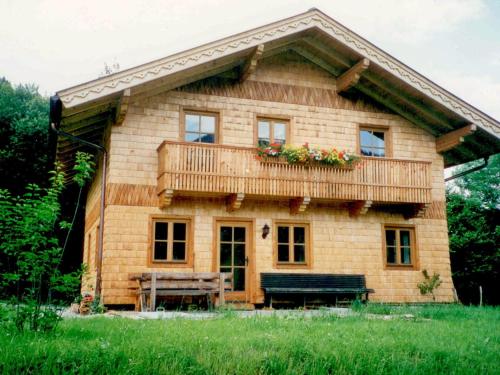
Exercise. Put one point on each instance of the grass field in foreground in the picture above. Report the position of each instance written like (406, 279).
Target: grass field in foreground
(437, 340)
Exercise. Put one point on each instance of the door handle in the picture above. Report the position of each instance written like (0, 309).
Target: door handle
(246, 261)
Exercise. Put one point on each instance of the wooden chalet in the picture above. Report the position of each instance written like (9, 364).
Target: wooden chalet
(185, 193)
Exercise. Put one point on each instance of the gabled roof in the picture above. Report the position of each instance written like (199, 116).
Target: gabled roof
(89, 107)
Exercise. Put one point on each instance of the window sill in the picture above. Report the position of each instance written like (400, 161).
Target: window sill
(291, 265)
(408, 267)
(166, 264)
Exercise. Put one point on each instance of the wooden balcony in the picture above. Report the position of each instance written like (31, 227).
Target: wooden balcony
(234, 172)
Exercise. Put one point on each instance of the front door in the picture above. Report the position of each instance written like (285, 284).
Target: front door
(233, 244)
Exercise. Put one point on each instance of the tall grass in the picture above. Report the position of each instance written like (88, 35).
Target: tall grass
(438, 340)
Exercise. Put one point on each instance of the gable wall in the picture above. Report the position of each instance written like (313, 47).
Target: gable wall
(346, 246)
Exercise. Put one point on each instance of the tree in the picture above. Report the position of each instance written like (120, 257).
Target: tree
(473, 207)
(25, 151)
(30, 248)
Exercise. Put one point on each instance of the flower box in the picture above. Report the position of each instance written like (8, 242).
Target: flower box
(305, 156)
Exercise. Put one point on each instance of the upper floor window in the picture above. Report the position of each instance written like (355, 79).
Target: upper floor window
(399, 246)
(373, 141)
(292, 243)
(170, 240)
(272, 131)
(200, 127)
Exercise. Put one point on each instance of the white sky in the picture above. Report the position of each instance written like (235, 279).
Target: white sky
(60, 43)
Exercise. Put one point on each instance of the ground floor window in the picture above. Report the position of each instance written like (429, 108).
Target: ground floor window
(399, 246)
(292, 243)
(170, 240)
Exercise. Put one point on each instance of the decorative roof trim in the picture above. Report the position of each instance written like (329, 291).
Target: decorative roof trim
(112, 84)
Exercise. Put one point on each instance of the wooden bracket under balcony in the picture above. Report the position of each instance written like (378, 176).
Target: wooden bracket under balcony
(455, 138)
(299, 204)
(416, 211)
(359, 208)
(233, 201)
(166, 198)
(352, 76)
(122, 108)
(251, 64)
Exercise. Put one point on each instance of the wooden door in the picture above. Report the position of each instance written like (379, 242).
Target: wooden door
(233, 256)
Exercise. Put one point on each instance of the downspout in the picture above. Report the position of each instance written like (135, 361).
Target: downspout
(475, 169)
(55, 122)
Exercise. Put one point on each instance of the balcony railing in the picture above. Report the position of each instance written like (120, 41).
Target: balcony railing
(218, 169)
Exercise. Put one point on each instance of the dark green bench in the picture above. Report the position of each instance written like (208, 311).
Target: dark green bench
(311, 284)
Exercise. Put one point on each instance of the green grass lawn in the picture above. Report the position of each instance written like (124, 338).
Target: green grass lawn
(437, 340)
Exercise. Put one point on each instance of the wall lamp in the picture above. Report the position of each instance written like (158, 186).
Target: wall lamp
(265, 231)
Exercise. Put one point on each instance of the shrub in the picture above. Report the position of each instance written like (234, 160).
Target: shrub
(32, 255)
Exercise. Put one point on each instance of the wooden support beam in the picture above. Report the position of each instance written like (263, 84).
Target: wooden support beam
(233, 201)
(453, 139)
(298, 205)
(395, 108)
(166, 198)
(352, 76)
(359, 208)
(311, 56)
(122, 108)
(251, 64)
(409, 100)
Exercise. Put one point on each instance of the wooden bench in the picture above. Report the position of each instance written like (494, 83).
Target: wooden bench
(312, 284)
(153, 284)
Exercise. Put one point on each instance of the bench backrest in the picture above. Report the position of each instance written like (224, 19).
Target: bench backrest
(310, 280)
(182, 280)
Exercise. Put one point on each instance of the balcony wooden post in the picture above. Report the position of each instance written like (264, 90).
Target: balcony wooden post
(299, 204)
(166, 198)
(233, 201)
(359, 208)
(416, 211)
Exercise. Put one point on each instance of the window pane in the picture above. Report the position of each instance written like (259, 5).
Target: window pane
(179, 251)
(239, 234)
(404, 238)
(390, 237)
(264, 130)
(299, 235)
(207, 124)
(378, 139)
(192, 137)
(225, 254)
(391, 255)
(263, 142)
(279, 132)
(283, 255)
(161, 231)
(239, 254)
(379, 152)
(366, 151)
(179, 231)
(238, 279)
(365, 138)
(226, 233)
(192, 123)
(207, 138)
(299, 253)
(405, 255)
(160, 251)
(283, 234)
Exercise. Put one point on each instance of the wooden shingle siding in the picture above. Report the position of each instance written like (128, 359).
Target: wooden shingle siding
(339, 244)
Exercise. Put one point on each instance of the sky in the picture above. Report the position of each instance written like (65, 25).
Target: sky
(57, 44)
